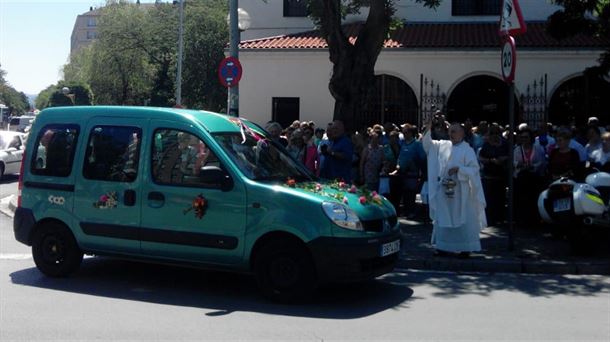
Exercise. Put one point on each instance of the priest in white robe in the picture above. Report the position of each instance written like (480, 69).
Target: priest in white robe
(455, 194)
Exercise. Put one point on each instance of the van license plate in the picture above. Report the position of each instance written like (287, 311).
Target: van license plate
(562, 204)
(390, 248)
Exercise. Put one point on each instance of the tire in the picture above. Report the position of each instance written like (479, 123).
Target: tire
(1, 171)
(285, 271)
(55, 250)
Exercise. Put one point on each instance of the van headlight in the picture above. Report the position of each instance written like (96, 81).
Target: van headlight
(342, 216)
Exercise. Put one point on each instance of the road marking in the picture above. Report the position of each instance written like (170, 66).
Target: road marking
(15, 256)
(6, 199)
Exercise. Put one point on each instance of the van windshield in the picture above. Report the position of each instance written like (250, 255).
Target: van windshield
(261, 159)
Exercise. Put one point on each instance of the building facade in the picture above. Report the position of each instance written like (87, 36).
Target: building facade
(447, 59)
(84, 30)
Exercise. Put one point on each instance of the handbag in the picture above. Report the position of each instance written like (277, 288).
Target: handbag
(384, 185)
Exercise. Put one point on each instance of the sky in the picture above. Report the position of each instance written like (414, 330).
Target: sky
(35, 40)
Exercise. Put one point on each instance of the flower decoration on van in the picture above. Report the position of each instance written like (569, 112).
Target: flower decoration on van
(199, 205)
(340, 189)
(107, 201)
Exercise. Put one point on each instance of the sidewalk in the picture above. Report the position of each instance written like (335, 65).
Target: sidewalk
(536, 250)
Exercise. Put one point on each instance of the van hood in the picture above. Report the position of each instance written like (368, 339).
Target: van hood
(368, 205)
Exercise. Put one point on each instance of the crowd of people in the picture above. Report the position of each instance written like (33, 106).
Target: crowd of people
(402, 161)
(391, 159)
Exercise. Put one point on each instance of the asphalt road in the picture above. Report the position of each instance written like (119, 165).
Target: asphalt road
(110, 300)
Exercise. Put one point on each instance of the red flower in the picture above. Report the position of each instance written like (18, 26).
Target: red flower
(353, 189)
(362, 199)
(291, 183)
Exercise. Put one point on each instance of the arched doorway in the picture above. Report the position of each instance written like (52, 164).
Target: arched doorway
(391, 100)
(480, 98)
(579, 98)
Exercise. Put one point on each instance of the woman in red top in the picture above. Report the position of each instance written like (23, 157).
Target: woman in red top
(563, 160)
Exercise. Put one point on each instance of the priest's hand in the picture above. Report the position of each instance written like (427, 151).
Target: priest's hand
(453, 171)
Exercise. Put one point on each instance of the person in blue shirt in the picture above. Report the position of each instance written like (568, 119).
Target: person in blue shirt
(410, 168)
(337, 156)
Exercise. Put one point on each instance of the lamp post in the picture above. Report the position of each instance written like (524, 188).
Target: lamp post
(180, 52)
(238, 20)
(66, 92)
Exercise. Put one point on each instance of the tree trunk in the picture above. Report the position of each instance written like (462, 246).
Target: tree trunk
(353, 64)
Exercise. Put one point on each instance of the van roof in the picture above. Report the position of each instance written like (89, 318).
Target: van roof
(212, 122)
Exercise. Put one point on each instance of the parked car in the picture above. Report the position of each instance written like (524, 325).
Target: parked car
(20, 123)
(193, 188)
(11, 152)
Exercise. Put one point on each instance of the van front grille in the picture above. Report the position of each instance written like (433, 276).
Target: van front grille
(378, 225)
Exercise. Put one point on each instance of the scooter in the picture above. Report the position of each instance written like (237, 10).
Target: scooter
(577, 208)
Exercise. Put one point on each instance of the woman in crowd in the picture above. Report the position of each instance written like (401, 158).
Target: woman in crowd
(563, 160)
(311, 158)
(391, 152)
(601, 156)
(296, 145)
(371, 161)
(493, 157)
(529, 161)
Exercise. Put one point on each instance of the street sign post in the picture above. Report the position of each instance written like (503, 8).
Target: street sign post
(511, 23)
(511, 19)
(508, 59)
(229, 72)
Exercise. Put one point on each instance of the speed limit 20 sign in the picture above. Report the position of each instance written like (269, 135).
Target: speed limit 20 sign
(508, 59)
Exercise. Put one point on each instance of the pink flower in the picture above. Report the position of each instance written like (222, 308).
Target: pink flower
(374, 193)
(353, 189)
(362, 199)
(342, 185)
(318, 187)
(103, 198)
(345, 200)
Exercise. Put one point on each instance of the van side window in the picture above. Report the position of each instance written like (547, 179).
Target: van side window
(178, 157)
(113, 153)
(54, 149)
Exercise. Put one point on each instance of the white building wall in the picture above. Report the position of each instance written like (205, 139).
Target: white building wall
(268, 19)
(285, 74)
(295, 73)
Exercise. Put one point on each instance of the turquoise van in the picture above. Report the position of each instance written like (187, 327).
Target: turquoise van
(193, 188)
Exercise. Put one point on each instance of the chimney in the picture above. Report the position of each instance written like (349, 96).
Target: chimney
(90, 8)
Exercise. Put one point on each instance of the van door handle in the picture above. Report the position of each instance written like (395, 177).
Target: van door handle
(156, 199)
(129, 197)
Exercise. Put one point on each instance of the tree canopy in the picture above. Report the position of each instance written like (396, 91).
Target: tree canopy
(591, 17)
(133, 61)
(17, 102)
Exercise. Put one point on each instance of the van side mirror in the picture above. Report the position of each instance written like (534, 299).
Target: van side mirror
(215, 176)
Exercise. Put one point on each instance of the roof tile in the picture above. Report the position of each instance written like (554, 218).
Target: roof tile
(434, 36)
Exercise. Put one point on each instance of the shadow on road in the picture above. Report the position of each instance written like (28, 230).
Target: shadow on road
(452, 285)
(224, 293)
(6, 179)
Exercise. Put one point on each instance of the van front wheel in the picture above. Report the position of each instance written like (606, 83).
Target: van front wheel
(55, 250)
(285, 272)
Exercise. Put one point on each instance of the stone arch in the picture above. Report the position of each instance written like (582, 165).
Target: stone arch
(392, 99)
(480, 96)
(579, 97)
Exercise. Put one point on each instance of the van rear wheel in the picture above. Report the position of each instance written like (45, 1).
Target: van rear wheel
(285, 272)
(55, 250)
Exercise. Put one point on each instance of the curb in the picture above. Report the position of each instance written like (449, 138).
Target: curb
(504, 266)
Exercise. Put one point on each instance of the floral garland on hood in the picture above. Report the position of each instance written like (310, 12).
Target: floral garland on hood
(341, 188)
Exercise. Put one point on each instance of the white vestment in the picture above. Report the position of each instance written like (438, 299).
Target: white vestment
(458, 219)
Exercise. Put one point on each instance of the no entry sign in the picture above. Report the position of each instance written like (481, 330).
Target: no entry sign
(229, 72)
(508, 59)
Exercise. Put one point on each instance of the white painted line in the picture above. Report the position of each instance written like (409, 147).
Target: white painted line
(15, 256)
(6, 199)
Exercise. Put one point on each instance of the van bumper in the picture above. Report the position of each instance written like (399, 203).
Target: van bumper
(352, 259)
(23, 224)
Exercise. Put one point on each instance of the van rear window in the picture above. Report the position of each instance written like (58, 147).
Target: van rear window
(54, 149)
